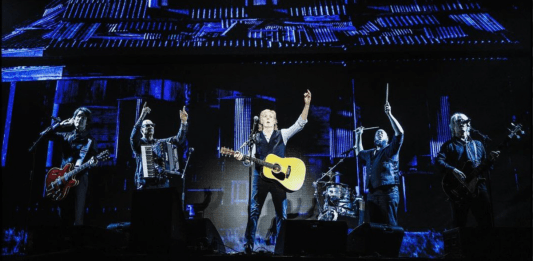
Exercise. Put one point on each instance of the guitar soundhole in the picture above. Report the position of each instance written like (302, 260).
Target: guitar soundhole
(277, 168)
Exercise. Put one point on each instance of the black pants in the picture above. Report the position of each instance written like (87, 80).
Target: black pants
(72, 208)
(480, 207)
(382, 205)
(260, 189)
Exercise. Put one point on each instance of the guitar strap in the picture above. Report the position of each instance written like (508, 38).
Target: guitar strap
(83, 153)
(472, 157)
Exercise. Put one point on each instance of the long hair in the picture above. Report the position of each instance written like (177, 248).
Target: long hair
(453, 121)
(260, 126)
(85, 111)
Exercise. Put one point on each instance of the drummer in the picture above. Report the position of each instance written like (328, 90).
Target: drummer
(382, 172)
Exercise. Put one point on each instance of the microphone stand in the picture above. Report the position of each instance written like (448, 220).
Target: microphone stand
(331, 176)
(191, 150)
(250, 143)
(32, 151)
(488, 181)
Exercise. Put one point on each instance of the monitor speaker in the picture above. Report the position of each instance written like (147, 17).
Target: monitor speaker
(375, 239)
(311, 237)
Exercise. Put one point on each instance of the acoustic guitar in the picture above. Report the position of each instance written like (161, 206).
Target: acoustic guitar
(288, 172)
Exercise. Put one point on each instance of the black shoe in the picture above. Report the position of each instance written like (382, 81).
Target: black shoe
(248, 249)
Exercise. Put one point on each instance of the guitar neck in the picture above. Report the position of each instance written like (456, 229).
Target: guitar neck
(486, 164)
(260, 162)
(77, 170)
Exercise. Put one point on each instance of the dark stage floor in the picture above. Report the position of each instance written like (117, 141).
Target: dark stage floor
(91, 243)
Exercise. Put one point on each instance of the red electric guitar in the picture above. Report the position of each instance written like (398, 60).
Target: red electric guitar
(59, 181)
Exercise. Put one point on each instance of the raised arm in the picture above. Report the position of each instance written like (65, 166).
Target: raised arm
(182, 133)
(135, 137)
(52, 132)
(358, 140)
(307, 101)
(146, 110)
(300, 123)
(395, 124)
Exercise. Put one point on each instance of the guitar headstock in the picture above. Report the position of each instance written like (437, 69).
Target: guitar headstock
(226, 151)
(104, 155)
(516, 129)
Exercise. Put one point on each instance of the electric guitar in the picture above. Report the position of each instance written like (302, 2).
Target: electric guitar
(60, 180)
(458, 188)
(288, 172)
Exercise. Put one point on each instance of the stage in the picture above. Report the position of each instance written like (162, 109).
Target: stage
(117, 243)
(225, 62)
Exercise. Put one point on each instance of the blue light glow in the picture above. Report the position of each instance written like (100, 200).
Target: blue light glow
(266, 98)
(340, 140)
(443, 129)
(32, 73)
(428, 244)
(404, 195)
(243, 112)
(13, 242)
(30, 52)
(7, 126)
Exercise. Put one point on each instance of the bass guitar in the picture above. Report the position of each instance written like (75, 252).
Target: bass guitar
(60, 180)
(288, 172)
(458, 188)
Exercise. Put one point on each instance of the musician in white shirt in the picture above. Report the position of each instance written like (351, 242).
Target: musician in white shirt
(269, 140)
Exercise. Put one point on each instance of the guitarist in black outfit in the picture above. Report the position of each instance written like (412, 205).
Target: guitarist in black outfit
(77, 147)
(458, 157)
(270, 140)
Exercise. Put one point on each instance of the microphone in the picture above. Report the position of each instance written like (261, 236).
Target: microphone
(256, 120)
(191, 150)
(51, 127)
(485, 137)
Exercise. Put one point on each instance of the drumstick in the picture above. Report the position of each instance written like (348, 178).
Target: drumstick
(387, 95)
(370, 128)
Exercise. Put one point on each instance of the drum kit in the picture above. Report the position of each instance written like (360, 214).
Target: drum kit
(337, 201)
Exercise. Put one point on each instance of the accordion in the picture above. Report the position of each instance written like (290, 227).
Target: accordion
(160, 159)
